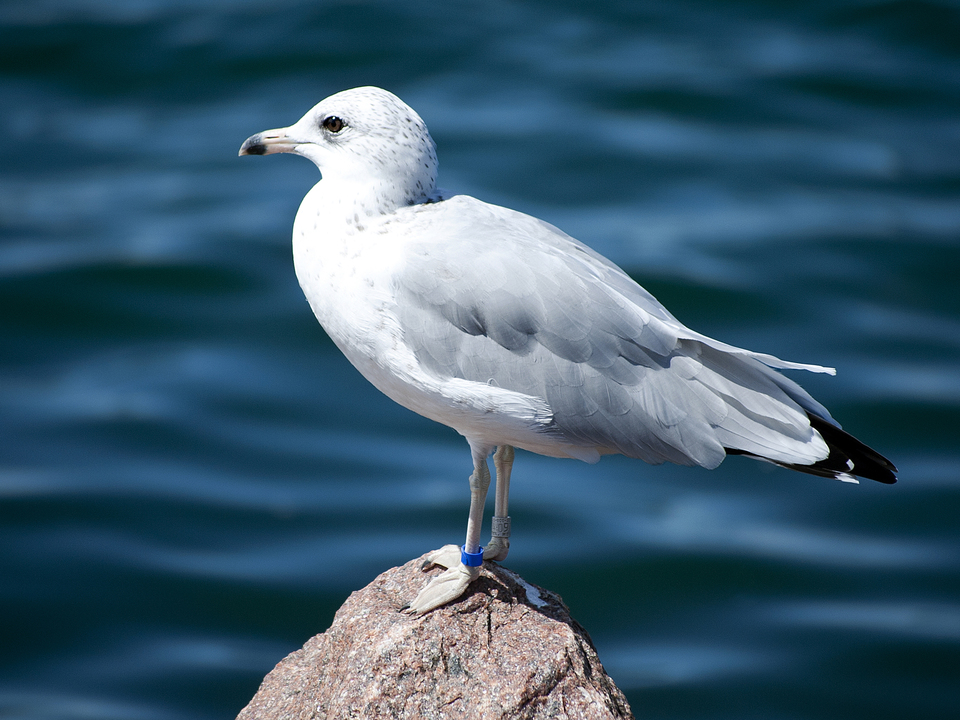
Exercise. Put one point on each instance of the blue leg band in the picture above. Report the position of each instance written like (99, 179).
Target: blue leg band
(471, 559)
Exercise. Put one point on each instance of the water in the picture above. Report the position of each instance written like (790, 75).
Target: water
(192, 479)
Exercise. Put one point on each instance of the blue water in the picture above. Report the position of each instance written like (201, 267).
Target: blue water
(192, 479)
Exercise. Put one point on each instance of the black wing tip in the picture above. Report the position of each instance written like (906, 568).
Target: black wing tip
(848, 457)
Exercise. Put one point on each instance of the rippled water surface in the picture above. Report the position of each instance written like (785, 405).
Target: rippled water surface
(192, 479)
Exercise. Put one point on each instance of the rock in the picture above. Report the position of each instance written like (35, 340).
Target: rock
(506, 649)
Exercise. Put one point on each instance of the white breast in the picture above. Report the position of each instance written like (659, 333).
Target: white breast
(346, 267)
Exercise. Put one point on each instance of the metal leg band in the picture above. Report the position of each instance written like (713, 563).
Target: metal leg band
(500, 527)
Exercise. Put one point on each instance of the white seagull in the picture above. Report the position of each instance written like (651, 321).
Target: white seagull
(515, 334)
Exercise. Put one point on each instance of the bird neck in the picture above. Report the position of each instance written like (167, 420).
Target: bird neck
(364, 202)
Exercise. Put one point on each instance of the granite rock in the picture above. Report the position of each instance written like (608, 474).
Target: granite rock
(506, 649)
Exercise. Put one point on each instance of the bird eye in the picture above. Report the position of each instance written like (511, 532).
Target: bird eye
(333, 124)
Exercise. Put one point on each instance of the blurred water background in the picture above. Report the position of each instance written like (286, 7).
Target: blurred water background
(192, 479)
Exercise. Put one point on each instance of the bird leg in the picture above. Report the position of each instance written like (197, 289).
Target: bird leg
(500, 526)
(451, 583)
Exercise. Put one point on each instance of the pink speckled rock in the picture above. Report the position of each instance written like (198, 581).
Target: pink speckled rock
(505, 650)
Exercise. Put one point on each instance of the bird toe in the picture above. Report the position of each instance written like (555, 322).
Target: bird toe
(444, 588)
(446, 557)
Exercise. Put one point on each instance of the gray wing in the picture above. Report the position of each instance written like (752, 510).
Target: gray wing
(494, 296)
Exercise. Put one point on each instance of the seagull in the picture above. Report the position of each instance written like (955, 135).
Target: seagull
(516, 335)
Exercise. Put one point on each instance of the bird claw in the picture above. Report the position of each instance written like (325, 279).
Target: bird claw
(445, 587)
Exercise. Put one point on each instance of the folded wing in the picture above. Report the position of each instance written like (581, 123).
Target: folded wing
(519, 304)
